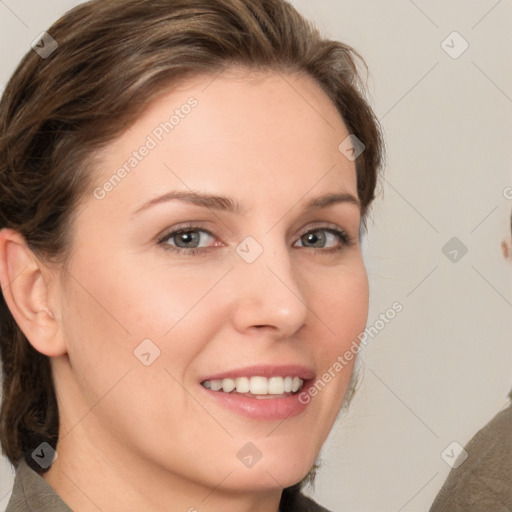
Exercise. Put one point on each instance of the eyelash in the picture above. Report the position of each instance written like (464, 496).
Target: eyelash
(344, 237)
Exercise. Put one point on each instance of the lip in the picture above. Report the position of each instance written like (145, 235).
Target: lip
(303, 372)
(262, 408)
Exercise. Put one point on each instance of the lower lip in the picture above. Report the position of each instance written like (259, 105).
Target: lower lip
(260, 408)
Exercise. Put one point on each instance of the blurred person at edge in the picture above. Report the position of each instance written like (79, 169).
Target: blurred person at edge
(483, 482)
(183, 185)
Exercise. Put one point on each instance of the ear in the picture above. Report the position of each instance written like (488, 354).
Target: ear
(506, 249)
(25, 286)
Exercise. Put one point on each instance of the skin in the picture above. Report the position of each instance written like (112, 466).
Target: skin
(135, 437)
(506, 248)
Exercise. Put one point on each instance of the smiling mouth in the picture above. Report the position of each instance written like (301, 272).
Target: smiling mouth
(257, 386)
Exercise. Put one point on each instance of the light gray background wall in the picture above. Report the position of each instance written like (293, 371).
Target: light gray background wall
(442, 368)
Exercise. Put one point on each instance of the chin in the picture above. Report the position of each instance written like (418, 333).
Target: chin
(278, 469)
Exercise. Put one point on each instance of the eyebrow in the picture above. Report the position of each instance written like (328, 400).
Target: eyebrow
(222, 203)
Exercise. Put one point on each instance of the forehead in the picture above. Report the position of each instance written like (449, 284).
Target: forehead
(239, 132)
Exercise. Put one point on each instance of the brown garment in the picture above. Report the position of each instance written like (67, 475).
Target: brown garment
(32, 493)
(482, 483)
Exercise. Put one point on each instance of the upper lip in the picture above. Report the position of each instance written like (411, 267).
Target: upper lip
(303, 372)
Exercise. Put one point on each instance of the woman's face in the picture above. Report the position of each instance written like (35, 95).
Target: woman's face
(267, 289)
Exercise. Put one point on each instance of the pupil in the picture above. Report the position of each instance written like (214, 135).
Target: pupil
(188, 236)
(312, 237)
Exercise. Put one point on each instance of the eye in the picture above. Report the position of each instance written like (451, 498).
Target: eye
(186, 239)
(322, 235)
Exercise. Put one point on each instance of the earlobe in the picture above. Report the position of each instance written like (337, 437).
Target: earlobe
(27, 294)
(506, 249)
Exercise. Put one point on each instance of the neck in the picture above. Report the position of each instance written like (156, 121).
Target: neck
(90, 476)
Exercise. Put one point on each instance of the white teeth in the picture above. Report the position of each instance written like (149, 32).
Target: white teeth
(256, 385)
(242, 385)
(259, 385)
(215, 385)
(275, 386)
(228, 385)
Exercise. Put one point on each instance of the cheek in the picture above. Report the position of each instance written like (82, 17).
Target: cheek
(342, 310)
(340, 301)
(108, 313)
(121, 301)
(111, 310)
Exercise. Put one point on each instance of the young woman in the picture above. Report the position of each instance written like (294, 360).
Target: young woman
(182, 187)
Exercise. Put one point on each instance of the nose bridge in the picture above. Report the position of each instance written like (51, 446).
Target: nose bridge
(268, 289)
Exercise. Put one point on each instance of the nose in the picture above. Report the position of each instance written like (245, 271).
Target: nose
(268, 294)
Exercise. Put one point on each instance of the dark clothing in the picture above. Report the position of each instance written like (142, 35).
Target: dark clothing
(294, 501)
(482, 483)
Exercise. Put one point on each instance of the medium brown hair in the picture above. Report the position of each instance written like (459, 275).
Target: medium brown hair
(113, 58)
